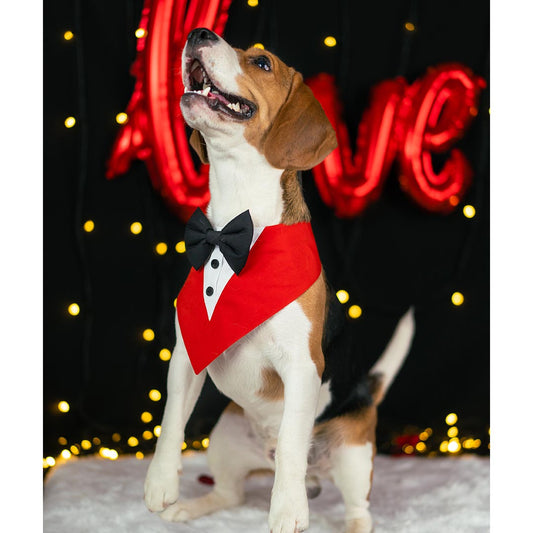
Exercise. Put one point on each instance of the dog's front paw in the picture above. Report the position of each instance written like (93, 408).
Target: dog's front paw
(161, 487)
(288, 513)
(362, 524)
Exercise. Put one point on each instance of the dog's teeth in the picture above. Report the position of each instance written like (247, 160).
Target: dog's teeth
(235, 107)
(206, 90)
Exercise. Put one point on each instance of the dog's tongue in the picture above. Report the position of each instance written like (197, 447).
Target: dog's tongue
(217, 96)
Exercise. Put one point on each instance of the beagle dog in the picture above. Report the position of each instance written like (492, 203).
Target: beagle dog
(295, 408)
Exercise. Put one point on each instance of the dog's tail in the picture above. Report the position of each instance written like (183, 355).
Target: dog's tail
(386, 368)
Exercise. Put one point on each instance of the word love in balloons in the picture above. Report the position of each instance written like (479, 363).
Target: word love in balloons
(409, 123)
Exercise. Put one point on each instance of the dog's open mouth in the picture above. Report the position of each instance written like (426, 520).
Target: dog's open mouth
(200, 83)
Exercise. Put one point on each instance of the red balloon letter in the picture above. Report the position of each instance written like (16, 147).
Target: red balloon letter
(155, 131)
(349, 183)
(434, 114)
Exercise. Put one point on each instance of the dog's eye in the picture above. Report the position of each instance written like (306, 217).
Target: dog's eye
(263, 62)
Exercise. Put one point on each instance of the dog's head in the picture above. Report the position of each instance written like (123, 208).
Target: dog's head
(252, 93)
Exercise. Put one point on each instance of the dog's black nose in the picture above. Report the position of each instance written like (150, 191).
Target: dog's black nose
(201, 36)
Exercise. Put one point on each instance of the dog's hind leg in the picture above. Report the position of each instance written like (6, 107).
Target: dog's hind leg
(352, 467)
(232, 454)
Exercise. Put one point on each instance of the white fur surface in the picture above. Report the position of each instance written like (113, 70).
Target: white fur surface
(409, 495)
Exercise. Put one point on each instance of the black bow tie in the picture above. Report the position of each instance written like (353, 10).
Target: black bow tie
(234, 240)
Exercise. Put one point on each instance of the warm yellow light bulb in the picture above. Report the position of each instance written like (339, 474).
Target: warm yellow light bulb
(66, 454)
(136, 228)
(154, 395)
(88, 226)
(50, 461)
(343, 296)
(469, 211)
(147, 435)
(157, 431)
(330, 41)
(116, 437)
(63, 406)
(121, 118)
(454, 200)
(146, 417)
(86, 444)
(451, 419)
(355, 311)
(139, 455)
(183, 445)
(443, 446)
(148, 335)
(409, 26)
(74, 309)
(140, 32)
(253, 3)
(420, 447)
(161, 248)
(165, 354)
(423, 436)
(133, 441)
(180, 247)
(259, 45)
(68, 35)
(62, 441)
(453, 431)
(205, 442)
(454, 445)
(108, 453)
(75, 450)
(458, 299)
(70, 122)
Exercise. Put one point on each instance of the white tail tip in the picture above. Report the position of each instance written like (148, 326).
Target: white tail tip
(392, 358)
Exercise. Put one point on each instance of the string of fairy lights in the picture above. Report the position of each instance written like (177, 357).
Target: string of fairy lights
(445, 440)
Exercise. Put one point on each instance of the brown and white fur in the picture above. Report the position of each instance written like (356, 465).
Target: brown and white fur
(275, 374)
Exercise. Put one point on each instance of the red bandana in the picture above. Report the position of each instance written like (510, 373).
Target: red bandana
(282, 265)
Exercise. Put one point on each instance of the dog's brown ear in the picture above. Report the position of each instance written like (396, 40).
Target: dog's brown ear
(198, 143)
(301, 135)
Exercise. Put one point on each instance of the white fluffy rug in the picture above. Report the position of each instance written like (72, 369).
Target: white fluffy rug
(410, 495)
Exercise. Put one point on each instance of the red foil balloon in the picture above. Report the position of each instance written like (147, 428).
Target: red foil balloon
(346, 182)
(434, 114)
(155, 131)
(411, 122)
